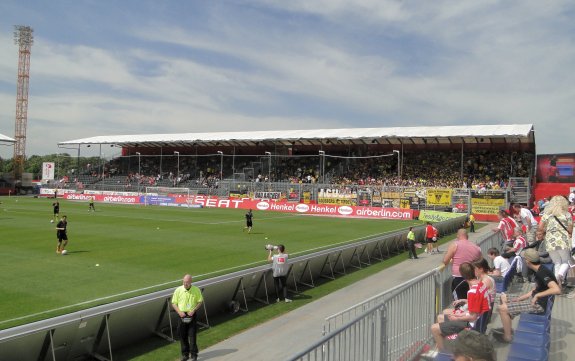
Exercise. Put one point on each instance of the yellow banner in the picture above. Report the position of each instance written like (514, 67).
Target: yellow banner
(436, 216)
(391, 195)
(342, 201)
(405, 204)
(238, 195)
(487, 202)
(479, 209)
(438, 197)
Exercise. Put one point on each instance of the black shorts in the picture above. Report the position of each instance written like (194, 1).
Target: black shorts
(248, 223)
(452, 327)
(62, 237)
(429, 240)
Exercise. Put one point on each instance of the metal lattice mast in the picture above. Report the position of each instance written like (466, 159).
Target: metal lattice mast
(24, 38)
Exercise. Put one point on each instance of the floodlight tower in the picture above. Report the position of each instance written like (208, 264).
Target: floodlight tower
(24, 38)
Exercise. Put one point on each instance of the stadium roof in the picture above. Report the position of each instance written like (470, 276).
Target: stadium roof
(512, 133)
(5, 139)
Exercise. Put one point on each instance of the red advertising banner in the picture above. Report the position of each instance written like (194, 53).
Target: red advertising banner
(103, 198)
(303, 208)
(334, 210)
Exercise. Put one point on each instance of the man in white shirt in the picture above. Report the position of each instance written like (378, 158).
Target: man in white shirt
(572, 197)
(526, 218)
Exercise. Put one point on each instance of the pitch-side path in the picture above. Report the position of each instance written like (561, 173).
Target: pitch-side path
(282, 337)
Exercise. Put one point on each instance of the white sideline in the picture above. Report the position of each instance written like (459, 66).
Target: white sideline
(170, 282)
(121, 294)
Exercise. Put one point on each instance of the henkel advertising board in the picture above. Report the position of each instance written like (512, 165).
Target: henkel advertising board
(303, 208)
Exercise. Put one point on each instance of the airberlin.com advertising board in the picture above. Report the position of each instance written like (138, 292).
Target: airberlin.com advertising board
(247, 203)
(331, 210)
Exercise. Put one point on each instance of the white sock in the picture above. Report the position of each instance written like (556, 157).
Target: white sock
(563, 269)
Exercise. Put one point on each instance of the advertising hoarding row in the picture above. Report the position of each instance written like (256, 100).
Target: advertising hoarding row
(198, 201)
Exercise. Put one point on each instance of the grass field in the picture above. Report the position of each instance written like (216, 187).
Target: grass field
(141, 249)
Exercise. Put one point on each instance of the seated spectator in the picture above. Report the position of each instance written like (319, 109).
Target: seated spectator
(472, 345)
(481, 268)
(534, 301)
(500, 264)
(519, 242)
(477, 303)
(481, 272)
(514, 250)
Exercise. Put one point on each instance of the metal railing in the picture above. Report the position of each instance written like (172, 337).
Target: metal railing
(392, 325)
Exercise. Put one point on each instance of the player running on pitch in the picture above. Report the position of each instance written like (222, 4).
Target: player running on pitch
(249, 221)
(61, 234)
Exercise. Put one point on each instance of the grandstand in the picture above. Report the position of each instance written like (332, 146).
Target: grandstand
(382, 167)
(449, 156)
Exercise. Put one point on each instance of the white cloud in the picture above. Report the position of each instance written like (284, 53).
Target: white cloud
(383, 62)
(369, 10)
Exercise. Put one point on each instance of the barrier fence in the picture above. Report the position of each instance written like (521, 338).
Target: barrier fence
(394, 325)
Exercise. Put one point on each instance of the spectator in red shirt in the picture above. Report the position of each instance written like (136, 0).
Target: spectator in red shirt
(477, 303)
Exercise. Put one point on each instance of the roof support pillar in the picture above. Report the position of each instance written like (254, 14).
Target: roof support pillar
(161, 158)
(461, 172)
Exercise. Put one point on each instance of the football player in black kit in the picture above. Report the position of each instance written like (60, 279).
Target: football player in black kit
(249, 221)
(61, 234)
(56, 206)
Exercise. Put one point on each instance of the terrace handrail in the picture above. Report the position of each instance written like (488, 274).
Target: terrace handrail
(399, 320)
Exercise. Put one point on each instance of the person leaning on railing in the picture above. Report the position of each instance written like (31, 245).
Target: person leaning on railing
(459, 252)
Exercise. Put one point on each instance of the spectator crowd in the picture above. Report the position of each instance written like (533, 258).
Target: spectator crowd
(477, 170)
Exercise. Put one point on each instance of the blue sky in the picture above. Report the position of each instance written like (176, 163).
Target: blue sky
(133, 67)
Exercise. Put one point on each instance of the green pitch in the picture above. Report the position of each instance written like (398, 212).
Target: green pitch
(122, 251)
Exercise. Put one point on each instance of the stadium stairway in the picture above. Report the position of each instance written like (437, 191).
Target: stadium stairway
(282, 337)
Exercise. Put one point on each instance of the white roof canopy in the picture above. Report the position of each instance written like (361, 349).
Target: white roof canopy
(514, 133)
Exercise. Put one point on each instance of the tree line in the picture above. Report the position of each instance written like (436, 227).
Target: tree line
(65, 164)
